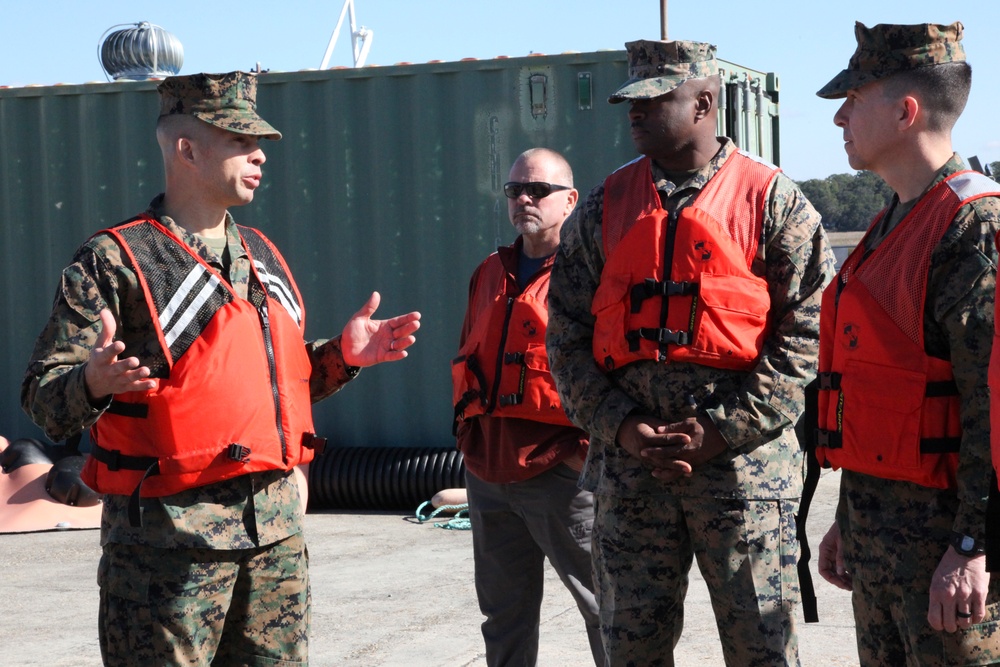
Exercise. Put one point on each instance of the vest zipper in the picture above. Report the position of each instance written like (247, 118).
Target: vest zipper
(499, 367)
(272, 367)
(669, 240)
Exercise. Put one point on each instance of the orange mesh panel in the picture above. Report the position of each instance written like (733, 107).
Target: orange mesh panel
(628, 195)
(738, 199)
(898, 279)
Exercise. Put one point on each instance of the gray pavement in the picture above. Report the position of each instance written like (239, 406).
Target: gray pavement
(387, 590)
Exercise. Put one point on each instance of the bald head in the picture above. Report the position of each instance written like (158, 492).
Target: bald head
(555, 163)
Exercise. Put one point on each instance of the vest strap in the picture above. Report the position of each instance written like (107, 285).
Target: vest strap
(661, 336)
(942, 388)
(829, 381)
(510, 399)
(513, 357)
(115, 460)
(829, 439)
(651, 287)
(940, 445)
(124, 409)
(314, 442)
(238, 452)
(135, 501)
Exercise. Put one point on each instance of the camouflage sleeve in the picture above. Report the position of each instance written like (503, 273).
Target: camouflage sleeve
(963, 282)
(590, 399)
(329, 370)
(798, 264)
(53, 392)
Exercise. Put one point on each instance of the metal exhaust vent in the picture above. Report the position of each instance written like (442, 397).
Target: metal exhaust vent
(140, 52)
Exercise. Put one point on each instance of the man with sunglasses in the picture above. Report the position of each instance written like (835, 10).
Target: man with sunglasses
(522, 455)
(684, 321)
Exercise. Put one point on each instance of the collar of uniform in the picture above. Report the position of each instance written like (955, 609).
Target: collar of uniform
(953, 165)
(697, 180)
(236, 249)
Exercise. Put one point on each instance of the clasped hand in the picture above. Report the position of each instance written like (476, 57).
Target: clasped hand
(670, 450)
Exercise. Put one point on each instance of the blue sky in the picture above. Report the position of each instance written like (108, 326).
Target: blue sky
(806, 43)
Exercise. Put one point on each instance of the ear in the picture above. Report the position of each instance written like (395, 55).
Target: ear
(571, 200)
(704, 105)
(907, 112)
(185, 150)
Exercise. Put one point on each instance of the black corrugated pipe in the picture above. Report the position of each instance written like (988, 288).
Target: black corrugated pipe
(382, 478)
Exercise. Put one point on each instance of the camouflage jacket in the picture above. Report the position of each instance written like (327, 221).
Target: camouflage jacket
(755, 411)
(958, 325)
(239, 513)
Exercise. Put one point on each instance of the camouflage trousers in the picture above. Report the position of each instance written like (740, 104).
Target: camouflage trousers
(893, 537)
(746, 550)
(195, 607)
(892, 629)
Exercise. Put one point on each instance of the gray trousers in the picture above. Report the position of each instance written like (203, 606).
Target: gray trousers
(514, 528)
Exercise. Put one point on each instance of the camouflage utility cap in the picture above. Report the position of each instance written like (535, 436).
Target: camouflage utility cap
(888, 49)
(227, 100)
(655, 68)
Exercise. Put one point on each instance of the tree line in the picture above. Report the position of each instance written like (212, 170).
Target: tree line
(848, 202)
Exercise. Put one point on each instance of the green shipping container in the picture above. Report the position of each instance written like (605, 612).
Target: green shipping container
(388, 179)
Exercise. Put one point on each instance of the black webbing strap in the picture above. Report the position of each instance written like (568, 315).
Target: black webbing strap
(135, 503)
(827, 439)
(651, 287)
(123, 409)
(993, 526)
(115, 460)
(940, 445)
(314, 442)
(941, 388)
(469, 396)
(805, 428)
(661, 336)
(827, 382)
(507, 400)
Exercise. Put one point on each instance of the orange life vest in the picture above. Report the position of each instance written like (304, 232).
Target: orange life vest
(502, 369)
(887, 408)
(235, 397)
(680, 288)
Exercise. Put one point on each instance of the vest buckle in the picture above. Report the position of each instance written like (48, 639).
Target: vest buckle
(238, 452)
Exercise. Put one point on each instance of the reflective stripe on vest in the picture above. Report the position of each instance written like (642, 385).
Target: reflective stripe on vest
(886, 408)
(234, 397)
(681, 288)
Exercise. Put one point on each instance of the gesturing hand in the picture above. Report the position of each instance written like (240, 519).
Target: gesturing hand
(106, 374)
(366, 342)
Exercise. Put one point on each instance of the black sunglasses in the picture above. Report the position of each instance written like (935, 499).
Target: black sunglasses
(535, 189)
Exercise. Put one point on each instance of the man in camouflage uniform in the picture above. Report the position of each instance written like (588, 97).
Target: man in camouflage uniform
(215, 572)
(908, 544)
(689, 459)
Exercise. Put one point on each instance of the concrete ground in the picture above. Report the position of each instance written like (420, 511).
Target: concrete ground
(387, 590)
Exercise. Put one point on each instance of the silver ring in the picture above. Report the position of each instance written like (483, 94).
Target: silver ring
(392, 345)
(962, 614)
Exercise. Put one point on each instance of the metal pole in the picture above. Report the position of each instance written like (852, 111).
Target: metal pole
(663, 19)
(336, 32)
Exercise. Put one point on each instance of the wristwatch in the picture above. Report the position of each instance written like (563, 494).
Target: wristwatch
(965, 545)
